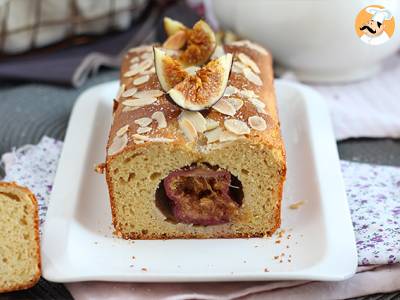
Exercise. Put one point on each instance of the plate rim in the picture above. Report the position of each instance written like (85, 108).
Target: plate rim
(316, 109)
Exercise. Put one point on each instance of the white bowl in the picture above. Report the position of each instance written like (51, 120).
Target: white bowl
(315, 39)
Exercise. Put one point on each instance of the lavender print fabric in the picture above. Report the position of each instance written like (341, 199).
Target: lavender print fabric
(35, 168)
(373, 193)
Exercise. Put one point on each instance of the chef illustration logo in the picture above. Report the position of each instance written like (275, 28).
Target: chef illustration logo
(375, 25)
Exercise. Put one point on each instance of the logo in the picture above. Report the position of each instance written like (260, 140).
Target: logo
(374, 25)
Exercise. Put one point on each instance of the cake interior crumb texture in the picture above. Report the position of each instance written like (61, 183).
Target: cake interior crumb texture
(19, 247)
(136, 176)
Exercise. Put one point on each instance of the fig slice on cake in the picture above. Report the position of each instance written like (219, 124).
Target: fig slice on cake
(169, 71)
(197, 44)
(204, 89)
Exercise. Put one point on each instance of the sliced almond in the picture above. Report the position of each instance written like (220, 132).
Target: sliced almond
(249, 62)
(148, 72)
(129, 93)
(139, 101)
(236, 126)
(213, 135)
(122, 130)
(188, 129)
(132, 72)
(151, 139)
(237, 103)
(250, 45)
(196, 118)
(120, 91)
(224, 107)
(160, 118)
(218, 52)
(230, 90)
(149, 93)
(260, 106)
(211, 124)
(129, 108)
(147, 55)
(134, 60)
(143, 122)
(141, 48)
(227, 136)
(141, 80)
(248, 93)
(141, 130)
(238, 67)
(118, 144)
(147, 63)
(257, 123)
(251, 76)
(192, 70)
(176, 41)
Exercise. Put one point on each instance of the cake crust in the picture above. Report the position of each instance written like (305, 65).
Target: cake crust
(126, 117)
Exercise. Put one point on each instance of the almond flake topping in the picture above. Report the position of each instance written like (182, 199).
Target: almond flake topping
(257, 123)
(141, 80)
(188, 129)
(237, 103)
(132, 72)
(149, 93)
(251, 76)
(237, 67)
(251, 45)
(129, 93)
(139, 101)
(120, 91)
(224, 107)
(236, 126)
(230, 90)
(148, 72)
(213, 135)
(122, 130)
(160, 118)
(211, 124)
(196, 118)
(141, 48)
(147, 63)
(147, 55)
(118, 144)
(227, 136)
(143, 122)
(141, 130)
(134, 60)
(151, 139)
(248, 93)
(258, 104)
(249, 62)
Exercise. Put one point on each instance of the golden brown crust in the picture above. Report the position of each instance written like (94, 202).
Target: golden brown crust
(36, 278)
(270, 137)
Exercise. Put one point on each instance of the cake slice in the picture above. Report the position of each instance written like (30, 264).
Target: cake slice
(19, 238)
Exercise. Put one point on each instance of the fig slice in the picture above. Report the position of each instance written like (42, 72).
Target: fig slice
(171, 26)
(169, 71)
(201, 43)
(203, 90)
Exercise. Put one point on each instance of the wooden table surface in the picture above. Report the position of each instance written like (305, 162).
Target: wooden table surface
(29, 111)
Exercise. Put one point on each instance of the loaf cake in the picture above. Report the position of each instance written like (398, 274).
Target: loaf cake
(195, 149)
(19, 238)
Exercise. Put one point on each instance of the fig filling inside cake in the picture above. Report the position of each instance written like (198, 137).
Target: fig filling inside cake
(200, 195)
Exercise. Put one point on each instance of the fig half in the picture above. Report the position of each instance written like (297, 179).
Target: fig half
(202, 90)
(171, 26)
(169, 71)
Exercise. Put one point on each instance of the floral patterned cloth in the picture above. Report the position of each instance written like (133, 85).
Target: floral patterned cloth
(373, 193)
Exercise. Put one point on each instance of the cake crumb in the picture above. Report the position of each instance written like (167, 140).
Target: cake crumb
(144, 269)
(133, 257)
(277, 241)
(296, 205)
(276, 257)
(266, 270)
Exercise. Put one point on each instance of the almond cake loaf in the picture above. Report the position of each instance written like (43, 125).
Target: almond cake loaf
(195, 149)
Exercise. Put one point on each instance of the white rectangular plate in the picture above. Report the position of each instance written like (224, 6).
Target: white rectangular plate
(318, 242)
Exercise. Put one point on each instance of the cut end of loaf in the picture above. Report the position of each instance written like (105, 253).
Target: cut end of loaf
(19, 238)
(134, 178)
